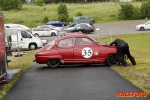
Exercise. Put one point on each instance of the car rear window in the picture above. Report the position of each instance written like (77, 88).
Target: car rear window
(51, 43)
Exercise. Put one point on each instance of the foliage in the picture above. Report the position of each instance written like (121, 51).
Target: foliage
(33, 15)
(72, 1)
(126, 12)
(136, 14)
(145, 12)
(138, 75)
(79, 14)
(39, 2)
(45, 20)
(62, 13)
(10, 4)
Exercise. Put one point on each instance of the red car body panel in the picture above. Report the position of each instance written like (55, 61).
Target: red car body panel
(94, 53)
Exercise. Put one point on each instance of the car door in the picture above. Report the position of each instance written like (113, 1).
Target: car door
(147, 26)
(86, 51)
(78, 27)
(25, 39)
(65, 48)
(47, 32)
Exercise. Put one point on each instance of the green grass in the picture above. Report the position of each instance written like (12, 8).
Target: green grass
(138, 75)
(32, 15)
(26, 62)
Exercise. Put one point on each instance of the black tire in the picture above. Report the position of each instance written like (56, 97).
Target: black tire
(53, 34)
(87, 65)
(142, 29)
(53, 63)
(112, 60)
(32, 46)
(87, 32)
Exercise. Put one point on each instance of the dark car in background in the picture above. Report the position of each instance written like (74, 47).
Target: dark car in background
(57, 23)
(83, 27)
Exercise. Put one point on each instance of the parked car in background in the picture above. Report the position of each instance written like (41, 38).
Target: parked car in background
(83, 19)
(76, 49)
(43, 32)
(57, 23)
(83, 27)
(142, 27)
(51, 27)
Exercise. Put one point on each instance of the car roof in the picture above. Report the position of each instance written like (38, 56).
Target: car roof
(72, 35)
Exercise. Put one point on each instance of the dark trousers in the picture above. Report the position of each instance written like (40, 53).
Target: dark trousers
(124, 50)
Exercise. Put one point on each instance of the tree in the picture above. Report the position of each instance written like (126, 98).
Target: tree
(62, 13)
(126, 12)
(10, 4)
(145, 12)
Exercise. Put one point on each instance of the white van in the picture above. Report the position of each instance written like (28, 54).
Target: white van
(22, 38)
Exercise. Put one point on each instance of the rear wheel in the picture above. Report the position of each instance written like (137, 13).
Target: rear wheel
(53, 63)
(112, 60)
(53, 34)
(32, 46)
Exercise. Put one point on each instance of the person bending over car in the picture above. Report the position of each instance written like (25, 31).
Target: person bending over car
(123, 48)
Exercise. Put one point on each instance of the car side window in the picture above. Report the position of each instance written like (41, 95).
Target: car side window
(84, 41)
(66, 42)
(24, 34)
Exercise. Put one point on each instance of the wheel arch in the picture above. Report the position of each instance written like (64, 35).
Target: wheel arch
(112, 60)
(32, 43)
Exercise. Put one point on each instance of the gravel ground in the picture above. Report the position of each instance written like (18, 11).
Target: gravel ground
(123, 27)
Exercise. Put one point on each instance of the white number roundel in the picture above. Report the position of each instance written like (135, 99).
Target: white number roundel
(87, 52)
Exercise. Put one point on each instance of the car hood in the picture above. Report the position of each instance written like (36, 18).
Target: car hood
(140, 25)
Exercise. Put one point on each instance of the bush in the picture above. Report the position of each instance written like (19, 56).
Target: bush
(145, 9)
(79, 14)
(126, 12)
(39, 2)
(45, 19)
(10, 4)
(62, 13)
(136, 14)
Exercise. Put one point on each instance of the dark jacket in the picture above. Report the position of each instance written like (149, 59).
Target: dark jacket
(118, 43)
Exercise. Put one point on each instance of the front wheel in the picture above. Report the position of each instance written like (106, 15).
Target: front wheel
(112, 60)
(53, 63)
(142, 29)
(32, 46)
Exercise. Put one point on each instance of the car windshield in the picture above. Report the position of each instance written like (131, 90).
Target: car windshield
(147, 23)
(93, 39)
(51, 43)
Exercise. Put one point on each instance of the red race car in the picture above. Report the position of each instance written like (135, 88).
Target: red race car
(76, 49)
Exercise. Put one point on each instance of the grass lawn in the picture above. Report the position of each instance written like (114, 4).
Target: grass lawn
(139, 75)
(33, 16)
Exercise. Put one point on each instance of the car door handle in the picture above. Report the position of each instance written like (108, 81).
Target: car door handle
(75, 48)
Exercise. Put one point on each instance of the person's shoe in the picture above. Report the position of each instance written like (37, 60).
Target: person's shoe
(125, 65)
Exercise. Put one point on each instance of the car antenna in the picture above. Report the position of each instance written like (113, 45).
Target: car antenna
(110, 36)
